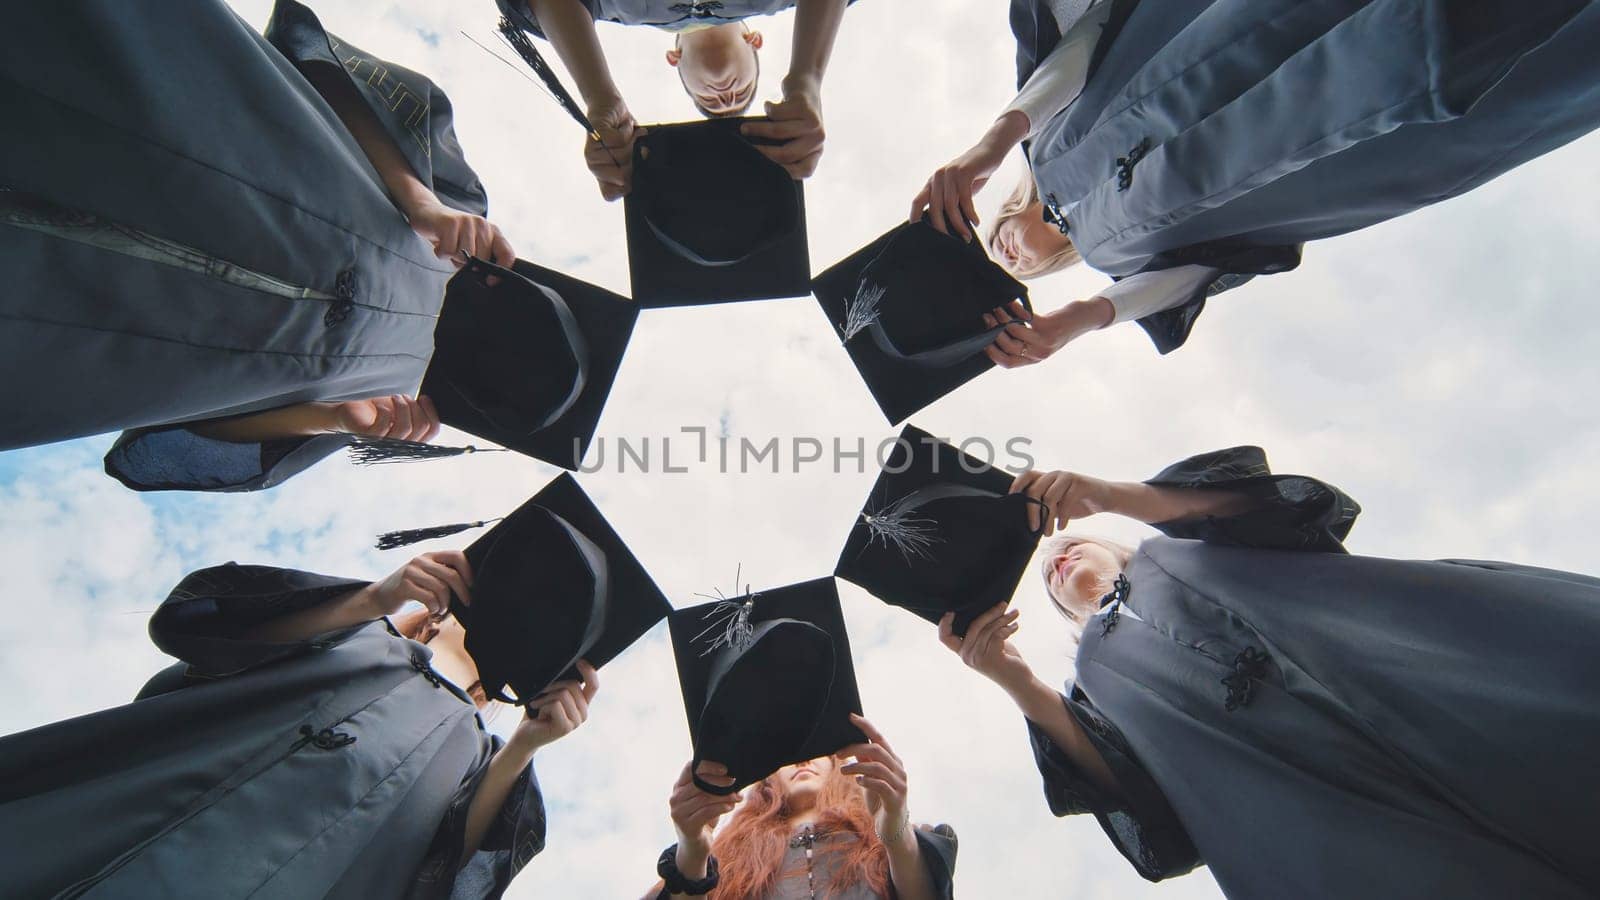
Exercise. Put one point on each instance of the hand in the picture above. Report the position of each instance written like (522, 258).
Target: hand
(611, 158)
(429, 579)
(947, 197)
(455, 234)
(1031, 338)
(986, 648)
(695, 814)
(796, 120)
(398, 417)
(562, 707)
(880, 772)
(1066, 496)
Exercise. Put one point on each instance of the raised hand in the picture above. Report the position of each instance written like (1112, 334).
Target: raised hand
(429, 579)
(986, 647)
(796, 120)
(1067, 496)
(399, 417)
(610, 159)
(946, 198)
(455, 235)
(695, 814)
(562, 707)
(879, 771)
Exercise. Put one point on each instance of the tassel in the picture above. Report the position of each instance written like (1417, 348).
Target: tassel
(862, 310)
(366, 451)
(897, 525)
(732, 628)
(392, 539)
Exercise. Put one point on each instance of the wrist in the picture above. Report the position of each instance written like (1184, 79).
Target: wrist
(802, 81)
(1007, 131)
(1033, 697)
(1083, 316)
(603, 101)
(692, 861)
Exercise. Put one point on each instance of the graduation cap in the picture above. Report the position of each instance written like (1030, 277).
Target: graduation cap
(710, 220)
(909, 309)
(939, 533)
(552, 584)
(767, 679)
(527, 363)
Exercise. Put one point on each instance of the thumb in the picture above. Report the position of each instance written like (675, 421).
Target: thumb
(770, 106)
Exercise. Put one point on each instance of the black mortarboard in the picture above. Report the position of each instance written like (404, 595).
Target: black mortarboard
(711, 220)
(939, 533)
(909, 308)
(767, 679)
(527, 363)
(552, 583)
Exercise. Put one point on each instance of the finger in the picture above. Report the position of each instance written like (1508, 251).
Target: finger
(777, 129)
(1002, 314)
(952, 206)
(806, 167)
(919, 203)
(451, 578)
(707, 767)
(985, 619)
(579, 702)
(936, 205)
(430, 414)
(791, 151)
(591, 679)
(968, 209)
(870, 730)
(429, 591)
(402, 418)
(1009, 344)
(1021, 482)
(382, 416)
(947, 632)
(1020, 311)
(556, 717)
(883, 790)
(1029, 337)
(501, 248)
(457, 560)
(569, 708)
(1005, 360)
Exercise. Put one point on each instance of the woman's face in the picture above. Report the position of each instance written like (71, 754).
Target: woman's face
(1079, 575)
(802, 783)
(1026, 239)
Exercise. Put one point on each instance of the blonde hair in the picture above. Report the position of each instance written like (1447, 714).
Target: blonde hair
(1053, 548)
(1022, 198)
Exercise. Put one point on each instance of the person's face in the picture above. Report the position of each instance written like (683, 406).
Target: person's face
(718, 67)
(801, 783)
(1078, 576)
(1025, 239)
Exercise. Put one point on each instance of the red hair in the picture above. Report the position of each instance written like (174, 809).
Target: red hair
(418, 625)
(751, 847)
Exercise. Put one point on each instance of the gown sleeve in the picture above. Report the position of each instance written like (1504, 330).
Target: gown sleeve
(206, 620)
(1286, 512)
(1059, 79)
(937, 844)
(514, 838)
(1139, 822)
(173, 458)
(412, 109)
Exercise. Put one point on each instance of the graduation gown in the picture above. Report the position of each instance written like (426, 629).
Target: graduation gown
(1313, 724)
(669, 15)
(201, 236)
(1229, 132)
(340, 766)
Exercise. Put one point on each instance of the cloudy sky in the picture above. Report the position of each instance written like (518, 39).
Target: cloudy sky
(1438, 368)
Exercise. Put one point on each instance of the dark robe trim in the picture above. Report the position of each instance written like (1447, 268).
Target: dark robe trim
(1288, 512)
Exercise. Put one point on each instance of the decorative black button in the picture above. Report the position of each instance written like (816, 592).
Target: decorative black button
(344, 290)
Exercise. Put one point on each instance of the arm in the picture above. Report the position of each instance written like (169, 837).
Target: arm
(878, 769)
(695, 814)
(987, 649)
(399, 417)
(796, 120)
(430, 578)
(1069, 495)
(450, 231)
(561, 708)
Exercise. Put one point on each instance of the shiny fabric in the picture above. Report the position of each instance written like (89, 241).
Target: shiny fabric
(221, 146)
(339, 766)
(1192, 142)
(1314, 724)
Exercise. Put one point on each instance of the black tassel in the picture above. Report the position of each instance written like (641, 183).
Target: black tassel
(518, 41)
(391, 540)
(366, 451)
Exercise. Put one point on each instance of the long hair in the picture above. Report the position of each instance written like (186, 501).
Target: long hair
(751, 846)
(1022, 198)
(418, 625)
(1077, 615)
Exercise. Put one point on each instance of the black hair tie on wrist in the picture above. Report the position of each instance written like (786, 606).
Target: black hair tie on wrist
(676, 883)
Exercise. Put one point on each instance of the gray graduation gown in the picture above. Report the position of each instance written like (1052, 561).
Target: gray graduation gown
(1312, 724)
(341, 766)
(1229, 132)
(216, 242)
(669, 15)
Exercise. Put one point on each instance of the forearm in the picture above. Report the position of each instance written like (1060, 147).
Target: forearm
(300, 420)
(907, 872)
(692, 862)
(816, 26)
(570, 29)
(1043, 706)
(351, 609)
(405, 188)
(1150, 503)
(505, 769)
